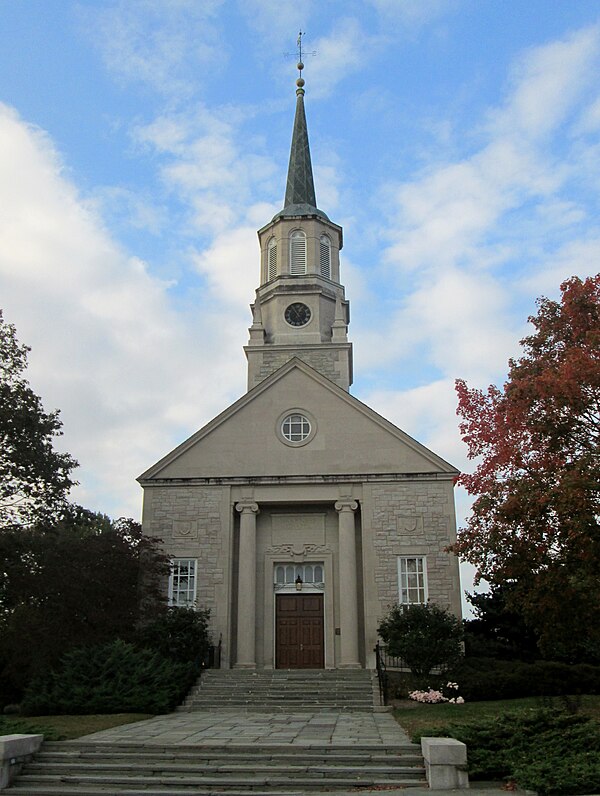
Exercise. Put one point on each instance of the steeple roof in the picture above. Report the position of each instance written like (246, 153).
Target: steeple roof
(300, 199)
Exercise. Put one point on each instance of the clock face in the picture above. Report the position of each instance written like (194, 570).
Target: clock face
(297, 314)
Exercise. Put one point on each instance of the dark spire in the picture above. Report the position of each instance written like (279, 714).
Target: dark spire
(300, 199)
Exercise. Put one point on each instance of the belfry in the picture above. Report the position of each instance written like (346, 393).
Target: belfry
(299, 515)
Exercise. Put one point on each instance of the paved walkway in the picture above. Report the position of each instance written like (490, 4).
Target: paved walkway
(232, 727)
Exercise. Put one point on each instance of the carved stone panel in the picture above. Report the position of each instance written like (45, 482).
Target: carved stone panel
(297, 529)
(185, 529)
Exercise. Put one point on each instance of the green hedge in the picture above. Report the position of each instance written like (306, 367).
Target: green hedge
(553, 753)
(113, 678)
(486, 678)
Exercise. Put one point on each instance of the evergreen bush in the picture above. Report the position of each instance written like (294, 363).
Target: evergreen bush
(113, 678)
(487, 679)
(550, 752)
(180, 634)
(424, 636)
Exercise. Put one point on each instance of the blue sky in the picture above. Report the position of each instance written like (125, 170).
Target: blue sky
(143, 143)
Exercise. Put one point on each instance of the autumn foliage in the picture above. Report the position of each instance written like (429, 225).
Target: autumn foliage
(535, 520)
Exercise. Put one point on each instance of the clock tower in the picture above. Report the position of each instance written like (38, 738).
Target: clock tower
(300, 309)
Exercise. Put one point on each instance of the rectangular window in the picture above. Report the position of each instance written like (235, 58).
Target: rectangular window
(182, 582)
(412, 579)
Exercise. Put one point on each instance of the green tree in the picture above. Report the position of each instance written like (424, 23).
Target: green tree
(498, 630)
(83, 580)
(34, 478)
(424, 636)
(535, 519)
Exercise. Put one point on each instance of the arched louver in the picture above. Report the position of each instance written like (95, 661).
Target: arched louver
(272, 259)
(325, 256)
(297, 253)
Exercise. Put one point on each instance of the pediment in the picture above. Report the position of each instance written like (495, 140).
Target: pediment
(349, 437)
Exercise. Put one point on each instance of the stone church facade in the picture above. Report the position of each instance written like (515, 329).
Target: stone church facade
(299, 515)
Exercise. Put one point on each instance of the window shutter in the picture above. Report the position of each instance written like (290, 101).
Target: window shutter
(298, 253)
(325, 256)
(272, 259)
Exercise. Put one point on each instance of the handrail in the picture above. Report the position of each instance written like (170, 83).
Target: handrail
(382, 675)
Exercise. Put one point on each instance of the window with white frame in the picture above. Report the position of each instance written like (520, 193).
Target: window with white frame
(295, 428)
(325, 256)
(272, 259)
(182, 582)
(310, 574)
(412, 579)
(297, 253)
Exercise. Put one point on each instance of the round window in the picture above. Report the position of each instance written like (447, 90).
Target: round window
(295, 428)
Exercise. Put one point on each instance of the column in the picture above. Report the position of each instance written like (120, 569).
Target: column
(348, 586)
(246, 606)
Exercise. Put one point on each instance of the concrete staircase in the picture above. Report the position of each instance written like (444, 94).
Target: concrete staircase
(210, 766)
(94, 769)
(282, 690)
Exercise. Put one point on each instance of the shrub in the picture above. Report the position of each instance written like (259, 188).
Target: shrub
(486, 678)
(424, 636)
(180, 634)
(550, 752)
(112, 678)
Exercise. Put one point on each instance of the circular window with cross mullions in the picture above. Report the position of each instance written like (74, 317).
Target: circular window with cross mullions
(296, 427)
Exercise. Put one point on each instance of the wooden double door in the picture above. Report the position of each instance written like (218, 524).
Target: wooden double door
(299, 638)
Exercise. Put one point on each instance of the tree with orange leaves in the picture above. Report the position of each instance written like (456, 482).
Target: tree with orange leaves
(535, 519)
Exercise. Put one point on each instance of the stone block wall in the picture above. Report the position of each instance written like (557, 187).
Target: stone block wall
(414, 518)
(191, 523)
(325, 362)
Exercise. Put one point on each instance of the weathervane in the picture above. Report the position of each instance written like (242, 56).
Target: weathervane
(301, 53)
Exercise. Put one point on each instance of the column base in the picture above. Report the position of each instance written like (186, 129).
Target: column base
(349, 666)
(244, 666)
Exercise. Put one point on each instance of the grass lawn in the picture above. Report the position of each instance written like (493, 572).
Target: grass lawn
(414, 717)
(65, 728)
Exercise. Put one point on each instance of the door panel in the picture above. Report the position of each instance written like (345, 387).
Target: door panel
(299, 631)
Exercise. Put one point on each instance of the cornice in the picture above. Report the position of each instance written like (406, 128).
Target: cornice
(268, 480)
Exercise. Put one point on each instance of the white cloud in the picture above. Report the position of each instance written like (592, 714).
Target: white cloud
(340, 54)
(108, 349)
(203, 162)
(458, 227)
(277, 22)
(162, 45)
(230, 272)
(546, 82)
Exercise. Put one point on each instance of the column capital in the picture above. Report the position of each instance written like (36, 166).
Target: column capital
(247, 507)
(346, 505)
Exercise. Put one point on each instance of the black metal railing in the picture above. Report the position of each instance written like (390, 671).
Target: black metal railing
(212, 659)
(382, 676)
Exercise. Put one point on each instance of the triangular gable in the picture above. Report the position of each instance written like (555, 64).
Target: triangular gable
(243, 441)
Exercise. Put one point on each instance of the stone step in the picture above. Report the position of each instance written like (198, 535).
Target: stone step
(83, 747)
(108, 790)
(291, 761)
(159, 768)
(342, 674)
(277, 690)
(202, 784)
(85, 768)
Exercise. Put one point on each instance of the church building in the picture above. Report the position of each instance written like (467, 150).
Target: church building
(299, 515)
